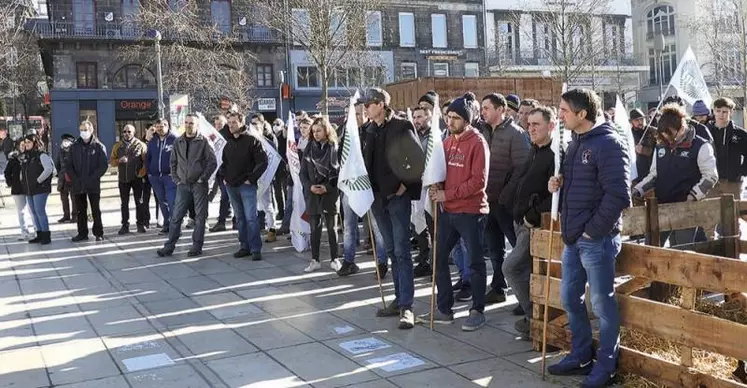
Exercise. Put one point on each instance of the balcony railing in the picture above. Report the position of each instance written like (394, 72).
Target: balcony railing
(129, 31)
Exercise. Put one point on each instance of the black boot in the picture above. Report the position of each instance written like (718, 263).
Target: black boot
(46, 238)
(36, 239)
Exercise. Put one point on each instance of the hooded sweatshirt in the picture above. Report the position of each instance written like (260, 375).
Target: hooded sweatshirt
(466, 173)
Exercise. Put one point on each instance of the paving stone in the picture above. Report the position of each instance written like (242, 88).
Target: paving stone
(107, 382)
(173, 271)
(423, 341)
(212, 341)
(323, 326)
(85, 280)
(78, 360)
(180, 376)
(134, 275)
(488, 339)
(321, 366)
(499, 373)
(436, 378)
(23, 368)
(255, 370)
(364, 359)
(210, 266)
(153, 291)
(62, 328)
(195, 286)
(134, 346)
(257, 332)
(235, 281)
(120, 320)
(178, 312)
(227, 305)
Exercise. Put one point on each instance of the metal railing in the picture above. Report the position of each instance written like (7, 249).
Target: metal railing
(130, 31)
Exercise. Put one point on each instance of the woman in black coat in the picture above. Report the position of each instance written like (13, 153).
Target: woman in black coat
(37, 169)
(320, 168)
(13, 180)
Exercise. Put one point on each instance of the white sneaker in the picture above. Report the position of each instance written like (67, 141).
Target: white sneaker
(313, 266)
(335, 264)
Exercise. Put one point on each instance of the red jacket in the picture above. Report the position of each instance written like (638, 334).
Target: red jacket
(466, 173)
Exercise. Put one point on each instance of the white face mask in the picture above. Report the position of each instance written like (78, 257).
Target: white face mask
(85, 135)
(66, 143)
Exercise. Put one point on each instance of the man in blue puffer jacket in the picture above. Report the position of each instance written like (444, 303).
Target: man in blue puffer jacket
(158, 166)
(595, 191)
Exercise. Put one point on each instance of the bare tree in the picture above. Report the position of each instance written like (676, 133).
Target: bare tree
(202, 59)
(332, 32)
(502, 49)
(566, 36)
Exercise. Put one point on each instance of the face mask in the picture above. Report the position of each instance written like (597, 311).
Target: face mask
(66, 143)
(85, 135)
(276, 128)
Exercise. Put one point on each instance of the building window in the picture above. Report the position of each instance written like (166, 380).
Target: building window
(662, 67)
(373, 28)
(660, 21)
(130, 9)
(543, 40)
(264, 76)
(133, 77)
(469, 31)
(307, 77)
(471, 69)
(505, 42)
(221, 12)
(300, 26)
(84, 16)
(440, 69)
(374, 76)
(438, 30)
(408, 70)
(406, 29)
(613, 40)
(87, 75)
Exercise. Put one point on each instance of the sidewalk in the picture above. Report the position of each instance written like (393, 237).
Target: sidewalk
(112, 314)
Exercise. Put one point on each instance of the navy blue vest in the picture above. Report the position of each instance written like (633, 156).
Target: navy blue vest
(677, 171)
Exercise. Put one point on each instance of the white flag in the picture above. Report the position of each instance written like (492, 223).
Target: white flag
(688, 80)
(299, 228)
(558, 147)
(353, 179)
(216, 141)
(435, 158)
(622, 122)
(273, 161)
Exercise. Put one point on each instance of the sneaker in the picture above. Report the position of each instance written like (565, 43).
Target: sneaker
(335, 265)
(475, 321)
(99, 238)
(598, 378)
(271, 236)
(465, 293)
(164, 230)
(163, 252)
(219, 227)
(438, 317)
(422, 270)
(242, 253)
(570, 365)
(458, 285)
(347, 268)
(495, 297)
(392, 310)
(256, 256)
(190, 224)
(194, 252)
(406, 319)
(518, 311)
(125, 229)
(79, 238)
(523, 326)
(382, 268)
(313, 266)
(141, 229)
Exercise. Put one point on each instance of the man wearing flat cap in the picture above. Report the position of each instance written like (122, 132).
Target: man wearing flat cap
(395, 163)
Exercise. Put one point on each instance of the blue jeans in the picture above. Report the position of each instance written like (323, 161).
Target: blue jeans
(224, 209)
(452, 226)
(393, 220)
(165, 191)
(592, 261)
(498, 228)
(189, 196)
(38, 205)
(244, 203)
(288, 211)
(352, 236)
(459, 254)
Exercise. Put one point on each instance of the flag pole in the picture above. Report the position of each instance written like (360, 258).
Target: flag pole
(375, 258)
(547, 297)
(661, 101)
(433, 276)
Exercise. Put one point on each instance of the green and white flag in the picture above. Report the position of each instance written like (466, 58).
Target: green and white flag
(353, 179)
(435, 157)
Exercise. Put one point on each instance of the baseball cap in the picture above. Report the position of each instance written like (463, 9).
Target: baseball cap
(375, 95)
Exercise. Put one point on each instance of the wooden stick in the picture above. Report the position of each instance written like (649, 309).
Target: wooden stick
(433, 277)
(547, 298)
(375, 257)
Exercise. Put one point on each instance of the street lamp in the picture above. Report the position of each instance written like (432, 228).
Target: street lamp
(659, 45)
(156, 35)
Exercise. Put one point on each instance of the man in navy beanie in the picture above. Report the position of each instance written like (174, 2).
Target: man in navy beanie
(514, 104)
(701, 112)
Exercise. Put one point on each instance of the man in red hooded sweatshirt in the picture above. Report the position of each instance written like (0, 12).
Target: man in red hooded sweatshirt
(465, 208)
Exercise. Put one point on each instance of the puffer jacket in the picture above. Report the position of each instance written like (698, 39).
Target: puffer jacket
(596, 184)
(13, 174)
(158, 155)
(135, 152)
(532, 196)
(86, 165)
(509, 149)
(198, 166)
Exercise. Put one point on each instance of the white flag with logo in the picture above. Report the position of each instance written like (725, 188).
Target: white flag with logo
(435, 157)
(688, 80)
(273, 161)
(216, 141)
(299, 228)
(622, 122)
(353, 180)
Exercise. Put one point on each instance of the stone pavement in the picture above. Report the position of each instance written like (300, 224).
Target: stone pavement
(112, 314)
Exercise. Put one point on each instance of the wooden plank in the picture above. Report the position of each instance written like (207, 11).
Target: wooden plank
(685, 327)
(643, 364)
(681, 268)
(742, 246)
(632, 285)
(634, 220)
(742, 205)
(729, 226)
(711, 247)
(688, 302)
(673, 216)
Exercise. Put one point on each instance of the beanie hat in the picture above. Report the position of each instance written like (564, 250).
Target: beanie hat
(513, 102)
(67, 136)
(636, 114)
(700, 109)
(463, 106)
(429, 97)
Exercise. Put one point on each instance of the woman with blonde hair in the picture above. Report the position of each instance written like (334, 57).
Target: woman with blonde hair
(320, 168)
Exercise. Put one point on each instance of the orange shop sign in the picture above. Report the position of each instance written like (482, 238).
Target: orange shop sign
(136, 105)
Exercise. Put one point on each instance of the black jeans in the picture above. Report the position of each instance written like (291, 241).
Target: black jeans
(316, 234)
(81, 204)
(136, 187)
(424, 241)
(66, 201)
(189, 196)
(224, 211)
(147, 190)
(499, 227)
(279, 187)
